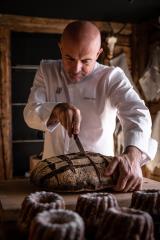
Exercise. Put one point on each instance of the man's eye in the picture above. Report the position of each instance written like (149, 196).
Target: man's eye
(86, 62)
(69, 59)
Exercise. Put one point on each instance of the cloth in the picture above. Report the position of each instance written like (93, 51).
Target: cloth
(156, 135)
(103, 94)
(150, 81)
(121, 61)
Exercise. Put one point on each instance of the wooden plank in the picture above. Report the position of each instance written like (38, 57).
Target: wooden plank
(37, 24)
(5, 104)
(13, 192)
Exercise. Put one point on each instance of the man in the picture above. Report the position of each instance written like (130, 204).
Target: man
(77, 95)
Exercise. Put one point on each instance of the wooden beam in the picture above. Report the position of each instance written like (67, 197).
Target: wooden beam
(46, 25)
(5, 97)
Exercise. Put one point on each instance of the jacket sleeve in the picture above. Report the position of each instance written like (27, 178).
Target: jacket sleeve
(38, 108)
(132, 112)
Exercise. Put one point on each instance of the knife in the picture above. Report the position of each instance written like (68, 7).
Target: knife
(79, 144)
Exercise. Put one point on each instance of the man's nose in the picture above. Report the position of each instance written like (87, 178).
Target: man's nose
(78, 66)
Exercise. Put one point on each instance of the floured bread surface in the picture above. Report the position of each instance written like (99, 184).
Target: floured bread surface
(73, 172)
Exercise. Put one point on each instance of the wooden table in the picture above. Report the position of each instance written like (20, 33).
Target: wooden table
(13, 192)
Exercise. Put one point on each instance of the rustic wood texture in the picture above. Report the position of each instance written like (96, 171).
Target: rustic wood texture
(36, 24)
(13, 192)
(5, 105)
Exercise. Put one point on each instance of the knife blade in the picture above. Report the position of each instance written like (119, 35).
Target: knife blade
(79, 144)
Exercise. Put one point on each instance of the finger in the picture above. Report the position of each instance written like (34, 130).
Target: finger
(111, 167)
(69, 122)
(76, 121)
(133, 185)
(137, 186)
(124, 170)
(121, 183)
(66, 121)
(63, 119)
(130, 185)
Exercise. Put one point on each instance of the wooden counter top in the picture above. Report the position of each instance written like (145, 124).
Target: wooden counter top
(13, 192)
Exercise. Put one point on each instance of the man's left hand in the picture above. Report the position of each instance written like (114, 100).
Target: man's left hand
(127, 164)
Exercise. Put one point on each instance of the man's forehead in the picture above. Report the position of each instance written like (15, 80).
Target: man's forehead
(76, 58)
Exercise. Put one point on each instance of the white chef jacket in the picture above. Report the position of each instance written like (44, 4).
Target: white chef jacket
(103, 94)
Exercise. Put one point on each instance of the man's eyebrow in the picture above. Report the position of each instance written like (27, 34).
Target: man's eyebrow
(85, 59)
(67, 55)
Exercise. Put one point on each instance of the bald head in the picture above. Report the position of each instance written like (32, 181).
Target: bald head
(80, 47)
(82, 31)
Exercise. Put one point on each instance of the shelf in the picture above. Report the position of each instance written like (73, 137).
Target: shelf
(34, 67)
(28, 141)
(18, 104)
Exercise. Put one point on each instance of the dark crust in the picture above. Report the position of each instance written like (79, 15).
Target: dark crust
(43, 181)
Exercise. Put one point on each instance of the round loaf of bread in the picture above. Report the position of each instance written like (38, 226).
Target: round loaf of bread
(75, 172)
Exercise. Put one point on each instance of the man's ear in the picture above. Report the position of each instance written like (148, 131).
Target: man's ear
(60, 45)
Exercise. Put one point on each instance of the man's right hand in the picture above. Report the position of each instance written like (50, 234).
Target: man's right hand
(67, 115)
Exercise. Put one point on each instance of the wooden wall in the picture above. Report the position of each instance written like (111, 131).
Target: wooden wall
(5, 105)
